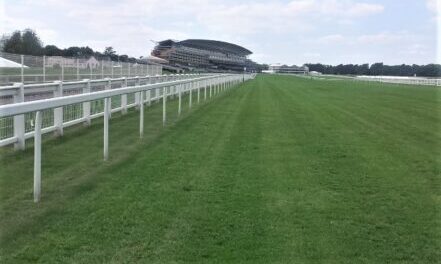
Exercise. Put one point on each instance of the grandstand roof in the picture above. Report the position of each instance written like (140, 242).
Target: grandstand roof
(216, 45)
(213, 45)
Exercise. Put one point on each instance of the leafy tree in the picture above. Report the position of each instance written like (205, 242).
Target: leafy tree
(3, 40)
(26, 42)
(72, 52)
(86, 51)
(13, 44)
(109, 51)
(377, 69)
(52, 50)
(31, 43)
(123, 58)
(430, 70)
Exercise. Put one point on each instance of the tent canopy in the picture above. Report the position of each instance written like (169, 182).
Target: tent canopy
(4, 63)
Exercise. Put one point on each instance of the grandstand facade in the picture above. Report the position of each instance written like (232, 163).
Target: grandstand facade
(205, 55)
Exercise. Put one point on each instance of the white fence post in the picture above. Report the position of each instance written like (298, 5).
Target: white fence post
(199, 90)
(137, 94)
(78, 68)
(204, 83)
(106, 128)
(164, 112)
(19, 120)
(62, 69)
(141, 114)
(191, 91)
(58, 112)
(179, 99)
(37, 157)
(102, 69)
(149, 93)
(44, 68)
(112, 68)
(86, 105)
(22, 68)
(109, 87)
(149, 97)
(124, 99)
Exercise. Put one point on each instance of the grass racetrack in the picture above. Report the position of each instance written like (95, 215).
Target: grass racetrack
(280, 170)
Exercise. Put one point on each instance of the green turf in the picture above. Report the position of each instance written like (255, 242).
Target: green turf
(280, 170)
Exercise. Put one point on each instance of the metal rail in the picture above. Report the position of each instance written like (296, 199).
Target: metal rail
(176, 85)
(11, 129)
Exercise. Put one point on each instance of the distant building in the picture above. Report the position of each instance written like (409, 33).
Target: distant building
(54, 61)
(279, 68)
(315, 73)
(89, 63)
(208, 55)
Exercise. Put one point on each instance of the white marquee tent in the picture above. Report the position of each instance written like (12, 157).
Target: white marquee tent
(4, 63)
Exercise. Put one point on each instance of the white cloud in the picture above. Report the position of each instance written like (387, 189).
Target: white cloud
(332, 39)
(433, 5)
(415, 49)
(260, 57)
(282, 17)
(10, 24)
(347, 8)
(383, 38)
(364, 9)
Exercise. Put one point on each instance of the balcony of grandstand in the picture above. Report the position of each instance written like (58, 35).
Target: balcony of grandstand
(205, 55)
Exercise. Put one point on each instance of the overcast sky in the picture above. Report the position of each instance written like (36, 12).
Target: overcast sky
(291, 32)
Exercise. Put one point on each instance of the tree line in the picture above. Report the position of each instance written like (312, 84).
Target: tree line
(27, 42)
(429, 70)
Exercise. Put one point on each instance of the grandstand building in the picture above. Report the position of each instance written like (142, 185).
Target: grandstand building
(206, 55)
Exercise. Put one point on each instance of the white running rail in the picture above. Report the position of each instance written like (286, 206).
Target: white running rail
(145, 90)
(14, 131)
(401, 80)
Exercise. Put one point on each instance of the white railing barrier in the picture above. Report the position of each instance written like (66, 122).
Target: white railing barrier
(401, 80)
(18, 109)
(17, 132)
